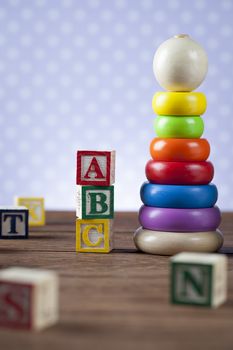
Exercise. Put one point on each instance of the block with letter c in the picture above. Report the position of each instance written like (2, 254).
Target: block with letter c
(94, 236)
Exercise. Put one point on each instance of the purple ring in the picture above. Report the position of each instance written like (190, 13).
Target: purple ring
(179, 220)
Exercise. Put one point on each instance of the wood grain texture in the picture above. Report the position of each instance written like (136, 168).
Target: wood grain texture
(117, 300)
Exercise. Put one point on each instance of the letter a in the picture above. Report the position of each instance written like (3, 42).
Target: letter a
(94, 168)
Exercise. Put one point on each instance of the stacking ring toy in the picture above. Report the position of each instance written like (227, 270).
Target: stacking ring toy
(190, 127)
(177, 150)
(170, 243)
(179, 173)
(179, 220)
(175, 196)
(179, 103)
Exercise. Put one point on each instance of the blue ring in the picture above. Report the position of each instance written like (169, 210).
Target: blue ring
(179, 196)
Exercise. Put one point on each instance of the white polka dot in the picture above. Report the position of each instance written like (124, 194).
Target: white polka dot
(119, 28)
(186, 16)
(66, 28)
(80, 14)
(213, 17)
(53, 40)
(26, 14)
(53, 14)
(39, 27)
(12, 53)
(159, 16)
(107, 15)
(133, 16)
(13, 26)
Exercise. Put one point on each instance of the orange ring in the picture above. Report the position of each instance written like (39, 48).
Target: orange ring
(179, 150)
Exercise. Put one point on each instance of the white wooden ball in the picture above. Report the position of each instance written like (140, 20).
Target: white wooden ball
(180, 64)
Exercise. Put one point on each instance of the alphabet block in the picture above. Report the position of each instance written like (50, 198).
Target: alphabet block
(13, 222)
(35, 206)
(28, 298)
(198, 279)
(95, 202)
(94, 236)
(95, 168)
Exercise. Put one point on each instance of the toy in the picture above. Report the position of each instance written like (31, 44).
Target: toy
(13, 222)
(180, 64)
(179, 212)
(198, 279)
(94, 236)
(179, 150)
(95, 201)
(36, 209)
(95, 168)
(169, 243)
(28, 298)
(179, 173)
(178, 196)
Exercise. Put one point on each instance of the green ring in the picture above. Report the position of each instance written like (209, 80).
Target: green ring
(179, 127)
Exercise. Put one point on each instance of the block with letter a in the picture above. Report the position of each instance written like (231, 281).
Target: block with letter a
(199, 279)
(28, 298)
(95, 202)
(36, 209)
(13, 222)
(94, 236)
(95, 168)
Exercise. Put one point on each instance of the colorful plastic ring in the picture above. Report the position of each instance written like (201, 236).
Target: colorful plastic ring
(170, 243)
(179, 103)
(179, 150)
(175, 196)
(191, 127)
(179, 220)
(179, 173)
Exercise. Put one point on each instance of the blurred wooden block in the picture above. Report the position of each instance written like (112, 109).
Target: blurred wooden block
(94, 236)
(199, 279)
(28, 298)
(13, 222)
(95, 202)
(36, 209)
(95, 168)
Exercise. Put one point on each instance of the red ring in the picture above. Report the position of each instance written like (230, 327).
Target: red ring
(179, 173)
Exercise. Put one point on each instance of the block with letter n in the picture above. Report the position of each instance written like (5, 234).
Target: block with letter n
(94, 235)
(36, 209)
(95, 202)
(198, 279)
(95, 168)
(13, 222)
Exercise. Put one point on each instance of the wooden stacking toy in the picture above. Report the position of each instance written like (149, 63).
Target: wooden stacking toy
(95, 201)
(13, 222)
(179, 212)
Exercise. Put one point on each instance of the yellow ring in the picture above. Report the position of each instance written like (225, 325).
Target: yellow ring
(179, 103)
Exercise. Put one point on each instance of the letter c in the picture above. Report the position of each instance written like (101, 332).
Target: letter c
(85, 235)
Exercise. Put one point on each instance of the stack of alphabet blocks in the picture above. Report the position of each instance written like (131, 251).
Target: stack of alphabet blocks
(95, 201)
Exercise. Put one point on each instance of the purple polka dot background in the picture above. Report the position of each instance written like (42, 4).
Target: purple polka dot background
(78, 74)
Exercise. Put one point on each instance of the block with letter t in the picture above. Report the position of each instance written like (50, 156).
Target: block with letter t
(13, 222)
(94, 236)
(95, 202)
(199, 279)
(95, 168)
(28, 298)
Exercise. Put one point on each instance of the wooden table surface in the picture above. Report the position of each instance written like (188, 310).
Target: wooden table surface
(117, 300)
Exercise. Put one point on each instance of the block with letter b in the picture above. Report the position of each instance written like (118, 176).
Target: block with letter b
(28, 298)
(95, 202)
(94, 236)
(36, 209)
(199, 279)
(95, 168)
(13, 222)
